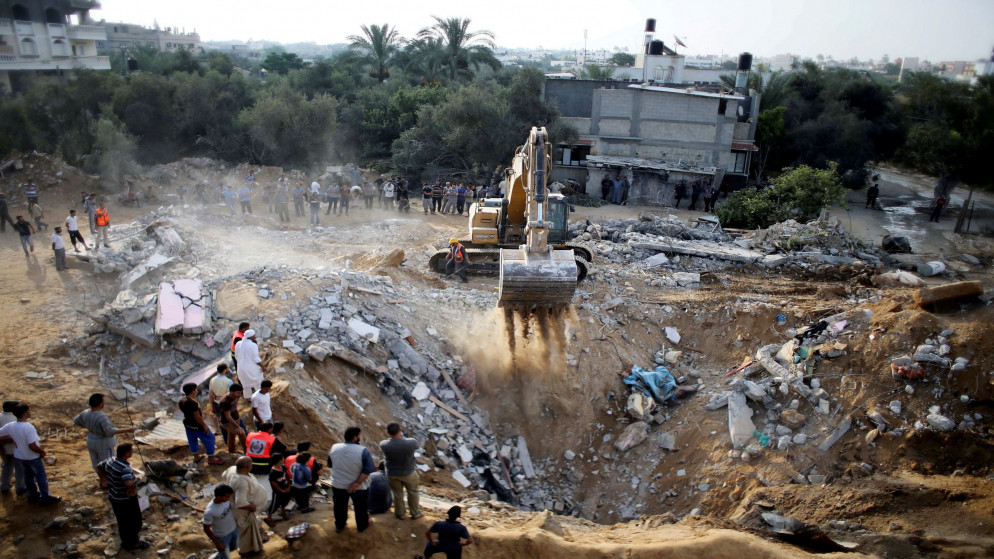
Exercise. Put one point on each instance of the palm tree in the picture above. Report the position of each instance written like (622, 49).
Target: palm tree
(379, 44)
(424, 58)
(773, 90)
(461, 47)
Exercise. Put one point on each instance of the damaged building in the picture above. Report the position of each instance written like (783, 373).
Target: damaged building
(659, 130)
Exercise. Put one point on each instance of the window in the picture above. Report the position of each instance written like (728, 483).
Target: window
(741, 159)
(53, 16)
(60, 48)
(20, 13)
(574, 155)
(29, 47)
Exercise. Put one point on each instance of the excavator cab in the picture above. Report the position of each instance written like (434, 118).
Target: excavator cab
(535, 273)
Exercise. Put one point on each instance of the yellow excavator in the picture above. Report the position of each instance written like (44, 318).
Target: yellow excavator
(523, 234)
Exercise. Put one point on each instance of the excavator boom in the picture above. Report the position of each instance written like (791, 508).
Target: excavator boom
(535, 273)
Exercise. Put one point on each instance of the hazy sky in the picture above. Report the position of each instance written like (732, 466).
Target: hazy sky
(930, 29)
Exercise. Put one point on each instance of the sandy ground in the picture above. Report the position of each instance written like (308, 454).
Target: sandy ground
(919, 501)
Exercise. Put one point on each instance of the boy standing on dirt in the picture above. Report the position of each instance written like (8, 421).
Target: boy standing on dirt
(30, 454)
(197, 430)
(72, 226)
(25, 230)
(119, 479)
(219, 521)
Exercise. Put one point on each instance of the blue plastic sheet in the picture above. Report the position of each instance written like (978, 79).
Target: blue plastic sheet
(658, 384)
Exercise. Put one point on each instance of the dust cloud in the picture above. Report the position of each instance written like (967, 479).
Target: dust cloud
(520, 356)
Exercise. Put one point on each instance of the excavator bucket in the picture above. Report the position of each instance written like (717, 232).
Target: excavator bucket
(536, 278)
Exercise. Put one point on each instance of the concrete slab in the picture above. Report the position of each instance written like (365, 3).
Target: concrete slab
(703, 249)
(364, 330)
(140, 332)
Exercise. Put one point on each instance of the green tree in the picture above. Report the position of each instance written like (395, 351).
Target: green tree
(594, 72)
(220, 62)
(462, 47)
(476, 129)
(950, 128)
(622, 59)
(799, 193)
(145, 106)
(282, 62)
(285, 128)
(378, 44)
(114, 150)
(205, 112)
(770, 132)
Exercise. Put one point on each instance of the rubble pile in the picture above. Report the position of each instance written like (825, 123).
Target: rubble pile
(150, 242)
(824, 235)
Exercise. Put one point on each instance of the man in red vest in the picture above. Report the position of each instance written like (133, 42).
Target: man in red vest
(456, 261)
(259, 447)
(237, 337)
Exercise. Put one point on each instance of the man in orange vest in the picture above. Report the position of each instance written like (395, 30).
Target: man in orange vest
(237, 337)
(456, 261)
(259, 447)
(103, 224)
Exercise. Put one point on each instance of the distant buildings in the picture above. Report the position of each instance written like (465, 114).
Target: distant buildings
(125, 35)
(47, 37)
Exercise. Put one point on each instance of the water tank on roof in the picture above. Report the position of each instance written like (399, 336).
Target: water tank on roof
(656, 48)
(745, 62)
(650, 25)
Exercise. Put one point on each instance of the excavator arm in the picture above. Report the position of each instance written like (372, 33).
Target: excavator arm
(535, 273)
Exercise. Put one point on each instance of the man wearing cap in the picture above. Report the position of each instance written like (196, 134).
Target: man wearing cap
(456, 261)
(250, 367)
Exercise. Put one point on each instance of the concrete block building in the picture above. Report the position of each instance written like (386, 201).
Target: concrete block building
(654, 128)
(654, 135)
(47, 37)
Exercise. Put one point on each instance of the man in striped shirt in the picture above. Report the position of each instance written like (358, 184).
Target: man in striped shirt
(123, 494)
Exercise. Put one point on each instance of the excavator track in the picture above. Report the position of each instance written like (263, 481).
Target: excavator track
(486, 261)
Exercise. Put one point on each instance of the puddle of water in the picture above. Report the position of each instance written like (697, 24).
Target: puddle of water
(904, 221)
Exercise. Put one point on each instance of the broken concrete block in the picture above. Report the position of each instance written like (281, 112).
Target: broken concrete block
(140, 332)
(672, 334)
(666, 441)
(461, 478)
(317, 352)
(525, 458)
(926, 297)
(421, 391)
(839, 432)
(774, 260)
(940, 422)
(364, 330)
(304, 335)
(655, 261)
(717, 401)
(632, 436)
(740, 425)
(684, 279)
(639, 406)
